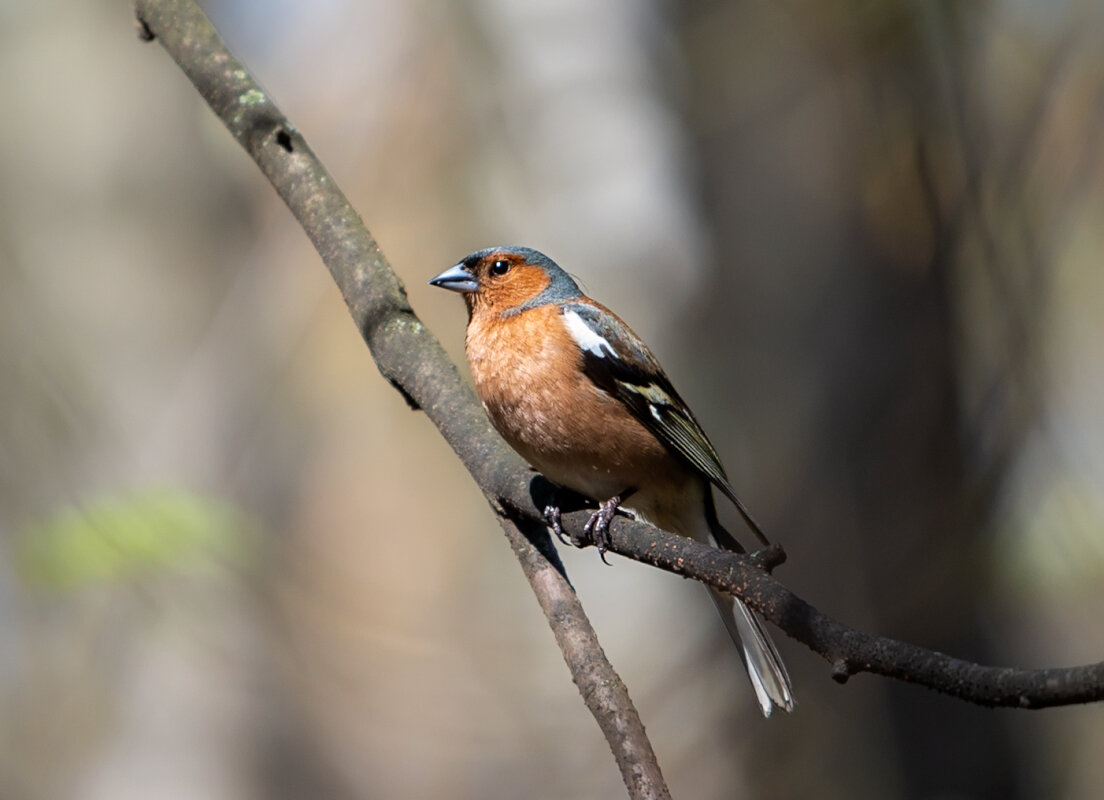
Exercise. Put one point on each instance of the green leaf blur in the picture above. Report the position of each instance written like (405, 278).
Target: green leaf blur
(117, 538)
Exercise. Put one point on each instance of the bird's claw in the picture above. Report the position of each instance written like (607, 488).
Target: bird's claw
(597, 527)
(554, 520)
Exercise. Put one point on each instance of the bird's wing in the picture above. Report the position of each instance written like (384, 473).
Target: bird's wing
(619, 363)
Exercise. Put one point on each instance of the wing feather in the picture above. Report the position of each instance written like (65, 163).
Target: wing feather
(618, 363)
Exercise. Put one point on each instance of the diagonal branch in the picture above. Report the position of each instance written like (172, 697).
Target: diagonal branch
(407, 354)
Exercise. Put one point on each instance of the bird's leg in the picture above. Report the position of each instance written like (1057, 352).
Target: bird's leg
(598, 524)
(553, 518)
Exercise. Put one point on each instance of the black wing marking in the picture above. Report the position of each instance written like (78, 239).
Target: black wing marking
(623, 367)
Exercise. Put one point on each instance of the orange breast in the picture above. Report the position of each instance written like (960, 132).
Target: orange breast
(528, 372)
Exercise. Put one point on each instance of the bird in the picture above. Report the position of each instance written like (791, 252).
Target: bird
(581, 398)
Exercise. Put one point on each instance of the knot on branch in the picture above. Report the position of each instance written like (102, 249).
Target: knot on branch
(407, 396)
(145, 32)
(841, 670)
(769, 558)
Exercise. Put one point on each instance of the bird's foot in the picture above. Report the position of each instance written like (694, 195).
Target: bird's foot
(553, 518)
(597, 526)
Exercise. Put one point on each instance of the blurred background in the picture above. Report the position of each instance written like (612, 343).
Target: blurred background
(864, 239)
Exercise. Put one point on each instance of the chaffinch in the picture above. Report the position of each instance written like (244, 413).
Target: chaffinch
(570, 387)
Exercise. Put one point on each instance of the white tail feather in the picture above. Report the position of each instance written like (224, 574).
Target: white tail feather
(764, 665)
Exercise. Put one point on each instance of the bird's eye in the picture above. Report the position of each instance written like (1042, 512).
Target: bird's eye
(500, 267)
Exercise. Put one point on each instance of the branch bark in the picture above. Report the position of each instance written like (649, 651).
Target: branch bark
(849, 651)
(412, 360)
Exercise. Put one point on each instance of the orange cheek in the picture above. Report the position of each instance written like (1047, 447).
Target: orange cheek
(515, 289)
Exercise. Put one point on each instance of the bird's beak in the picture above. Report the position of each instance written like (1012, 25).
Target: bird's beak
(457, 279)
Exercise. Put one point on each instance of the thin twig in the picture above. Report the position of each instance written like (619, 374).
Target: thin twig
(849, 651)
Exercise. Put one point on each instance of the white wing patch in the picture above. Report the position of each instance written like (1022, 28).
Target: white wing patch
(585, 336)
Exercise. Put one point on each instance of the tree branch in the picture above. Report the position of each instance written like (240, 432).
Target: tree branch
(409, 357)
(412, 360)
(849, 651)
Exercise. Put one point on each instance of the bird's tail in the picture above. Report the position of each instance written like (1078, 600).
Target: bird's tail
(764, 665)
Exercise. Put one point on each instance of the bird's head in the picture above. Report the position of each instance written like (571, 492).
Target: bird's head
(507, 280)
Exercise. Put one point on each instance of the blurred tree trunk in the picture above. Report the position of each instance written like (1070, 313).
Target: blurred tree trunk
(834, 301)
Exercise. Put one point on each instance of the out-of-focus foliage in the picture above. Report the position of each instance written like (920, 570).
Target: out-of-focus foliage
(132, 536)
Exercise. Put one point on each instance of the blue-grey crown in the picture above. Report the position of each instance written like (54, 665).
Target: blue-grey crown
(561, 287)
